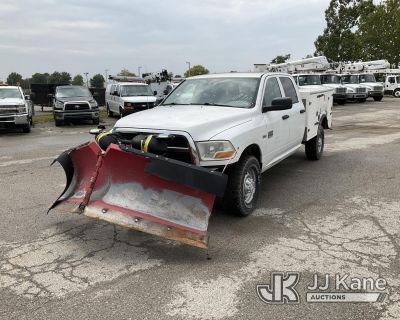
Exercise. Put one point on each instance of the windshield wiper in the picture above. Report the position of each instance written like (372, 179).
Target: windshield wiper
(174, 104)
(212, 104)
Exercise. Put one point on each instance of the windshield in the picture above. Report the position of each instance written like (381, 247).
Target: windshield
(71, 92)
(309, 80)
(10, 93)
(135, 90)
(330, 78)
(367, 78)
(349, 79)
(398, 79)
(225, 92)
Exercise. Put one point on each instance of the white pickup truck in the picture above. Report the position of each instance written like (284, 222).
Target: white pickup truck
(241, 123)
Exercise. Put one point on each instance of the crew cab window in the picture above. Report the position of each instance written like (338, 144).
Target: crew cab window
(271, 92)
(112, 89)
(117, 88)
(289, 89)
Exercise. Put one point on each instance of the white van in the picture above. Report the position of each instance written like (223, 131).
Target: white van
(123, 98)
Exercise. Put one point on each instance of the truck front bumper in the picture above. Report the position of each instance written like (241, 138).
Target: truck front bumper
(355, 95)
(339, 96)
(76, 115)
(14, 120)
(375, 93)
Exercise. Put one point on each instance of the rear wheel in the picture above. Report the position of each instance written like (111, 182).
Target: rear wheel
(110, 114)
(396, 93)
(315, 146)
(362, 100)
(243, 186)
(378, 98)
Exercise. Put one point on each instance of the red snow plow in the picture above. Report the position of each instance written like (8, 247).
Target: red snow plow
(131, 187)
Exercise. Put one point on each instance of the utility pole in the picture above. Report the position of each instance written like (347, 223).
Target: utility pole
(106, 74)
(188, 62)
(87, 81)
(139, 68)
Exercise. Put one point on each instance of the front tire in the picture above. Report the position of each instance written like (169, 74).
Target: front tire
(378, 98)
(59, 123)
(121, 112)
(315, 146)
(243, 186)
(96, 121)
(396, 93)
(110, 114)
(27, 127)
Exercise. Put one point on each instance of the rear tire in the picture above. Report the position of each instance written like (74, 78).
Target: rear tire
(243, 186)
(378, 98)
(110, 114)
(315, 146)
(362, 100)
(396, 93)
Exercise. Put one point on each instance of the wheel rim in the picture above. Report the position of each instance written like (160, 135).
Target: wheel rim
(249, 186)
(397, 93)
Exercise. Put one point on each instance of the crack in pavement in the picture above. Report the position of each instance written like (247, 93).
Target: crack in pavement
(359, 237)
(65, 261)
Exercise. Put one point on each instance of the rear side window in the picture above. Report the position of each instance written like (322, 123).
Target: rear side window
(271, 92)
(289, 89)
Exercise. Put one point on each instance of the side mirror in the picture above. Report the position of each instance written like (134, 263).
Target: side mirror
(155, 93)
(50, 96)
(32, 95)
(278, 104)
(27, 97)
(95, 94)
(115, 93)
(165, 91)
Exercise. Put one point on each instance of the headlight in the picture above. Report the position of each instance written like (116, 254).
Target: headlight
(58, 105)
(216, 150)
(93, 103)
(21, 108)
(350, 90)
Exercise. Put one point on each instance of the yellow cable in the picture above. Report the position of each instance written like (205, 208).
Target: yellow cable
(146, 143)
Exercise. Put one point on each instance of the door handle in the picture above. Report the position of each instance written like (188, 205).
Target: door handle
(302, 110)
(286, 116)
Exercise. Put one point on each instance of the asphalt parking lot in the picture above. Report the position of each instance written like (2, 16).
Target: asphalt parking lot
(339, 215)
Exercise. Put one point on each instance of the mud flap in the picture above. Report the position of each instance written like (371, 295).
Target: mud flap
(141, 191)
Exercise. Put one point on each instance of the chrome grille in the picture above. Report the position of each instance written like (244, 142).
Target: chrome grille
(340, 90)
(8, 110)
(78, 106)
(361, 90)
(378, 88)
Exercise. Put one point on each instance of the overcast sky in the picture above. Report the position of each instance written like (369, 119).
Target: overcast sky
(90, 35)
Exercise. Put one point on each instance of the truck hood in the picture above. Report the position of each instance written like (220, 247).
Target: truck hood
(201, 122)
(354, 86)
(138, 99)
(371, 85)
(333, 85)
(72, 99)
(11, 101)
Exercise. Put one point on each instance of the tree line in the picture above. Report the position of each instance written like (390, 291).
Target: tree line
(14, 78)
(361, 30)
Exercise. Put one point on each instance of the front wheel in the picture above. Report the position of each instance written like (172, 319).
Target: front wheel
(121, 112)
(243, 186)
(315, 146)
(27, 127)
(378, 98)
(96, 121)
(396, 93)
(110, 114)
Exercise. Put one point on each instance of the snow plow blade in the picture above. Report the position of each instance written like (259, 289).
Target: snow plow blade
(140, 191)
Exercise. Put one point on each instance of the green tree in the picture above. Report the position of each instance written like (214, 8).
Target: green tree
(339, 41)
(126, 73)
(60, 78)
(78, 80)
(97, 81)
(40, 78)
(280, 59)
(379, 32)
(13, 78)
(196, 70)
(65, 77)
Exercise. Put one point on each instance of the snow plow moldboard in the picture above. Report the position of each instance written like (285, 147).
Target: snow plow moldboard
(141, 191)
